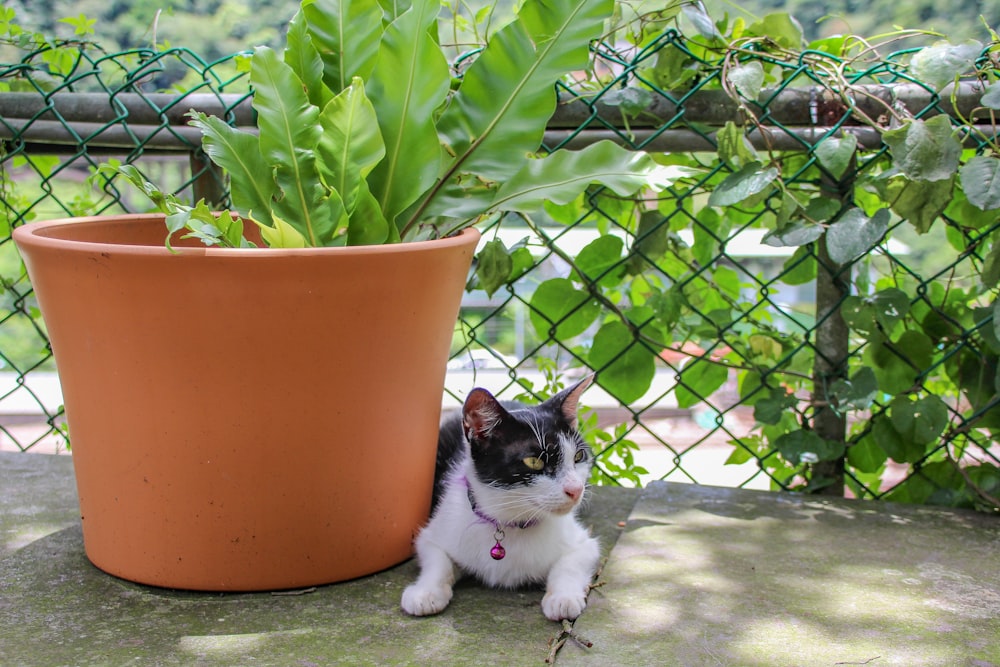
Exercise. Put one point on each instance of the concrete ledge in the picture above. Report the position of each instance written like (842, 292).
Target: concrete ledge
(697, 576)
(709, 576)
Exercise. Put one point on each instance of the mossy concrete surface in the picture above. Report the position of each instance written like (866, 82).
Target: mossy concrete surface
(57, 609)
(709, 576)
(697, 576)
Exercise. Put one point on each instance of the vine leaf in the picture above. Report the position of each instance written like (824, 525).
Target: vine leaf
(734, 147)
(703, 23)
(600, 260)
(807, 447)
(797, 233)
(980, 178)
(835, 154)
(771, 408)
(920, 421)
(920, 202)
(747, 78)
(855, 233)
(866, 455)
(625, 368)
(991, 97)
(941, 64)
(557, 304)
(493, 266)
(752, 179)
(884, 308)
(858, 392)
(699, 380)
(925, 149)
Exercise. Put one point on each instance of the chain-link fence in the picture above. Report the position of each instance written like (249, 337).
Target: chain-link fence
(812, 308)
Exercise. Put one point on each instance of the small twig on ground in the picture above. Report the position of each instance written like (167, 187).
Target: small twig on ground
(301, 591)
(868, 661)
(557, 642)
(568, 632)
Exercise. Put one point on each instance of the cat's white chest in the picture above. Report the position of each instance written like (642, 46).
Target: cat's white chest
(529, 553)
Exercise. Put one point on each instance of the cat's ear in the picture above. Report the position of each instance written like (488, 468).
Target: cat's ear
(567, 401)
(481, 414)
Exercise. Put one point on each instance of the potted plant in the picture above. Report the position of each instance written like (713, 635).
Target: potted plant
(257, 419)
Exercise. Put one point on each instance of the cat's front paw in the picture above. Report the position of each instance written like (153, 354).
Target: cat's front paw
(557, 606)
(424, 601)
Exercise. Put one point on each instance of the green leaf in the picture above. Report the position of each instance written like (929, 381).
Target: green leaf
(625, 367)
(558, 304)
(925, 150)
(920, 202)
(367, 225)
(991, 96)
(857, 393)
(303, 57)
(835, 155)
(897, 365)
(668, 306)
(942, 63)
(250, 181)
(769, 410)
(866, 455)
(806, 447)
(493, 266)
(703, 23)
(351, 144)
(408, 84)
(752, 179)
(980, 178)
(734, 147)
(800, 268)
(854, 234)
(781, 28)
(747, 78)
(601, 260)
(561, 176)
(920, 422)
(289, 132)
(651, 242)
(281, 235)
(885, 308)
(498, 114)
(893, 444)
(347, 34)
(798, 233)
(699, 380)
(996, 318)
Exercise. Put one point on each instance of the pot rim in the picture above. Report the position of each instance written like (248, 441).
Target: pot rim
(45, 234)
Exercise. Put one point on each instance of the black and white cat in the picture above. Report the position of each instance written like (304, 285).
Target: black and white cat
(508, 481)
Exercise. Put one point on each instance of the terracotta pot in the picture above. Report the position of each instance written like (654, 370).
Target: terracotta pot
(246, 419)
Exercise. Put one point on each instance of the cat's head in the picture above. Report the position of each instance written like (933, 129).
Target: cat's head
(530, 460)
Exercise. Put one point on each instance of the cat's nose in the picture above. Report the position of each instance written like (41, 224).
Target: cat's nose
(573, 491)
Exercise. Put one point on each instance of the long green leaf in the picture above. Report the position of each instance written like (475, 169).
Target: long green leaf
(367, 226)
(408, 84)
(289, 132)
(499, 113)
(303, 57)
(346, 34)
(252, 186)
(351, 144)
(562, 176)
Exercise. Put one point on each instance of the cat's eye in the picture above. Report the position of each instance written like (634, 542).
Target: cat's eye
(533, 462)
(580, 456)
